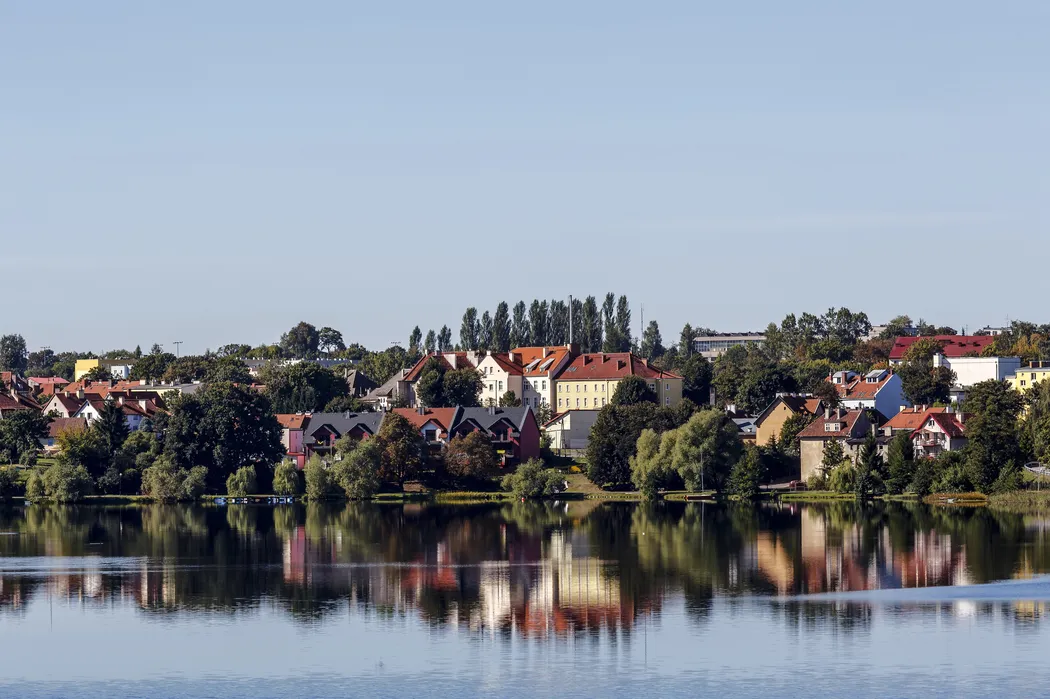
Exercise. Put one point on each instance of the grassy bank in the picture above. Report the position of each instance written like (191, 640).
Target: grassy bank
(1022, 502)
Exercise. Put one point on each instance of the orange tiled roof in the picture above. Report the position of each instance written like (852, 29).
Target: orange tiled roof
(444, 417)
(948, 422)
(848, 418)
(292, 421)
(615, 365)
(460, 358)
(911, 418)
(953, 346)
(858, 388)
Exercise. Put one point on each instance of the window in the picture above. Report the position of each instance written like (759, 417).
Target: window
(544, 385)
(559, 402)
(577, 388)
(603, 401)
(584, 388)
(603, 388)
(667, 400)
(501, 385)
(667, 387)
(585, 402)
(577, 402)
(430, 435)
(1023, 383)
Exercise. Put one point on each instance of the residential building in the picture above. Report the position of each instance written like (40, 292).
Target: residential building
(877, 330)
(712, 346)
(46, 385)
(850, 428)
(12, 382)
(570, 429)
(952, 346)
(541, 365)
(771, 421)
(513, 432)
(136, 410)
(57, 426)
(359, 384)
(746, 429)
(974, 370)
(941, 432)
(879, 390)
(589, 380)
(993, 331)
(499, 373)
(119, 368)
(388, 396)
(909, 419)
(434, 424)
(293, 426)
(13, 402)
(320, 431)
(450, 360)
(1029, 376)
(64, 405)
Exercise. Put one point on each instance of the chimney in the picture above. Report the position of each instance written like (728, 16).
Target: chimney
(492, 410)
(545, 352)
(513, 357)
(961, 417)
(645, 362)
(422, 410)
(80, 393)
(827, 413)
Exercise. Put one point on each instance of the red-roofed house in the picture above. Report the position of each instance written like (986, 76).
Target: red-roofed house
(46, 385)
(57, 426)
(945, 431)
(910, 419)
(450, 360)
(433, 424)
(541, 366)
(13, 403)
(849, 427)
(500, 372)
(292, 428)
(953, 346)
(879, 390)
(588, 381)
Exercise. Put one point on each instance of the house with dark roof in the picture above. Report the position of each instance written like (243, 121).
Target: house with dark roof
(513, 432)
(322, 430)
(850, 428)
(879, 389)
(56, 427)
(941, 432)
(359, 384)
(14, 402)
(388, 395)
(589, 380)
(771, 420)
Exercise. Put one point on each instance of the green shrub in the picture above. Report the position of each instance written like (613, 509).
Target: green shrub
(843, 478)
(287, 480)
(320, 485)
(194, 483)
(746, 477)
(241, 482)
(35, 485)
(65, 482)
(8, 482)
(165, 482)
(358, 471)
(532, 480)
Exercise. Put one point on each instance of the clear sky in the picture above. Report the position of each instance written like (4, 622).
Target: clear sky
(213, 172)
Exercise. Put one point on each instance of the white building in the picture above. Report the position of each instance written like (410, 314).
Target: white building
(974, 370)
(571, 429)
(499, 374)
(879, 390)
(712, 346)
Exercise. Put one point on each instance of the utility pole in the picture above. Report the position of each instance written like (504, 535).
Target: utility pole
(570, 319)
(176, 343)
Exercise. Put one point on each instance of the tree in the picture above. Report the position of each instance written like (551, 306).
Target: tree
(485, 333)
(331, 340)
(992, 444)
(922, 382)
(647, 470)
(746, 478)
(241, 482)
(402, 450)
(590, 326)
(790, 429)
(112, 427)
(520, 335)
(685, 342)
(900, 463)
(187, 370)
(828, 393)
(430, 344)
(320, 481)
(469, 330)
(98, 373)
(471, 457)
(462, 387)
(632, 390)
(430, 388)
(239, 351)
(65, 482)
(444, 339)
(287, 479)
(20, 433)
(229, 369)
(501, 328)
(652, 344)
(301, 342)
(13, 354)
(705, 450)
(1035, 427)
(697, 372)
(84, 448)
(357, 472)
(614, 438)
(509, 400)
(869, 469)
(623, 324)
(381, 366)
(538, 323)
(531, 480)
(303, 387)
(223, 427)
(152, 367)
(558, 321)
(163, 481)
(832, 457)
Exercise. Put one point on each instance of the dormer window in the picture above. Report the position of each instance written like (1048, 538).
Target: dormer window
(832, 426)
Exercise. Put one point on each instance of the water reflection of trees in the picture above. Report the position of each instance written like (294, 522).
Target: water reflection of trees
(532, 569)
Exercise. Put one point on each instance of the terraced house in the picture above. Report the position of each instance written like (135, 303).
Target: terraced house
(589, 380)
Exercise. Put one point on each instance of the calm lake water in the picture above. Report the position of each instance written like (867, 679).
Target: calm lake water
(569, 600)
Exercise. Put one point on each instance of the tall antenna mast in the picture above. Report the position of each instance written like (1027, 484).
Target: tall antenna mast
(570, 319)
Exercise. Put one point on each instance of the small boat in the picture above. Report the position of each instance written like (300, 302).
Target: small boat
(220, 501)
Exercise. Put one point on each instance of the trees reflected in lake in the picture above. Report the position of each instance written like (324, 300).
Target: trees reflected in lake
(535, 570)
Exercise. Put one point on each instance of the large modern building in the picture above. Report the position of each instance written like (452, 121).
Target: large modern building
(712, 346)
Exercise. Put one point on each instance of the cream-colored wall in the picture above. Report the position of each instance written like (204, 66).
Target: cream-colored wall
(773, 424)
(598, 393)
(496, 381)
(811, 452)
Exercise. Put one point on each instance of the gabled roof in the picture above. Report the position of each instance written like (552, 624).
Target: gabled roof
(615, 365)
(911, 418)
(796, 404)
(953, 346)
(341, 423)
(69, 403)
(487, 417)
(61, 424)
(9, 403)
(451, 360)
(443, 417)
(534, 363)
(387, 388)
(848, 418)
(503, 361)
(857, 387)
(293, 421)
(948, 422)
(47, 380)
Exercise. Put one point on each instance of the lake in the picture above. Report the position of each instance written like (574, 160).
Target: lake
(578, 599)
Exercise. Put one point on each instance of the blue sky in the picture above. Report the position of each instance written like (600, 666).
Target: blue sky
(215, 172)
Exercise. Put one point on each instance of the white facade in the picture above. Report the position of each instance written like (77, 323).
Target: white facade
(496, 381)
(974, 370)
(571, 430)
(888, 399)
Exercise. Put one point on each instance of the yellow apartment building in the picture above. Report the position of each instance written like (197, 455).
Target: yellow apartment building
(589, 380)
